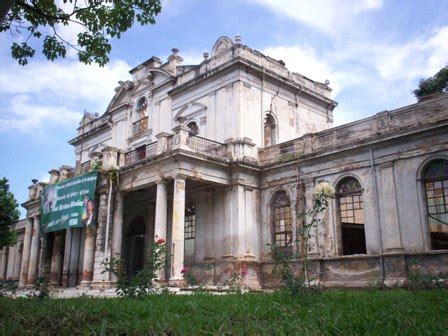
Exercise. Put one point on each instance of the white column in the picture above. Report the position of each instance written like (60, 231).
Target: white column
(57, 259)
(26, 252)
(74, 257)
(4, 263)
(313, 244)
(66, 262)
(161, 216)
(34, 252)
(117, 228)
(89, 254)
(11, 262)
(178, 233)
(161, 211)
(149, 230)
(390, 217)
(18, 258)
(209, 226)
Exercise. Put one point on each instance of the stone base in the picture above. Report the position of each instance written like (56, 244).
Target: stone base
(100, 285)
(180, 283)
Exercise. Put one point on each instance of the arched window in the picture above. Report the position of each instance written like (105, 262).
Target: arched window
(190, 230)
(435, 178)
(351, 216)
(142, 107)
(282, 222)
(193, 126)
(141, 123)
(269, 130)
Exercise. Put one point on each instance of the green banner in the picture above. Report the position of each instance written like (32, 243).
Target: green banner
(69, 204)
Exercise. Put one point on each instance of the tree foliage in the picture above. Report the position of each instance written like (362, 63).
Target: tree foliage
(436, 84)
(40, 20)
(9, 213)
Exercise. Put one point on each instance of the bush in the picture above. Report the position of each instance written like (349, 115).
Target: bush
(418, 280)
(140, 284)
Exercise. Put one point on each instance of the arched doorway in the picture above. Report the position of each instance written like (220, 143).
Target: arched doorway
(135, 246)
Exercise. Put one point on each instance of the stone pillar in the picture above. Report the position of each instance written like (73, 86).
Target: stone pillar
(17, 262)
(54, 176)
(101, 279)
(11, 262)
(209, 230)
(65, 173)
(4, 263)
(110, 157)
(162, 142)
(313, 247)
(390, 217)
(181, 134)
(177, 250)
(34, 252)
(26, 253)
(117, 226)
(160, 224)
(74, 257)
(161, 211)
(57, 259)
(66, 262)
(149, 231)
(89, 254)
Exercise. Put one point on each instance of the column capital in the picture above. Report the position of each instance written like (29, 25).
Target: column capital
(180, 176)
(162, 181)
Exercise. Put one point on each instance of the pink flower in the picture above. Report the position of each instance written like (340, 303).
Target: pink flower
(160, 241)
(184, 271)
(244, 272)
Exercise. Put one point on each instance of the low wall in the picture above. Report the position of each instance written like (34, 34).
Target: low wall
(344, 271)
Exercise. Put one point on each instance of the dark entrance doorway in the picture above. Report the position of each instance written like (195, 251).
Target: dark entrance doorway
(135, 251)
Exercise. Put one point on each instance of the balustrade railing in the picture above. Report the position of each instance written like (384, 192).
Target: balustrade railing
(208, 147)
(140, 126)
(141, 153)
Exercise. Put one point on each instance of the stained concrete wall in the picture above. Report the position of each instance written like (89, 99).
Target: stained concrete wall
(389, 173)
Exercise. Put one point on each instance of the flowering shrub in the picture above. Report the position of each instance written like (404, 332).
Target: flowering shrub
(140, 284)
(324, 189)
(189, 277)
(235, 280)
(417, 279)
(323, 192)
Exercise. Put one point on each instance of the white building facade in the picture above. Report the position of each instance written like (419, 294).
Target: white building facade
(221, 159)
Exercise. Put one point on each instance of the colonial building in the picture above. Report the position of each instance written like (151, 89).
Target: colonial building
(221, 158)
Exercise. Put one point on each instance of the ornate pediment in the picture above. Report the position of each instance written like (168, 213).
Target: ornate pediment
(221, 45)
(121, 94)
(190, 110)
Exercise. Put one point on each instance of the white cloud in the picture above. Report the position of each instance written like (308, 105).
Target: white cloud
(387, 72)
(27, 117)
(44, 93)
(306, 61)
(329, 16)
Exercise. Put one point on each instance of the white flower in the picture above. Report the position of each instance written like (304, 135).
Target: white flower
(324, 189)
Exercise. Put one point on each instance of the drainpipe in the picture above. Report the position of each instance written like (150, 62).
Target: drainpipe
(372, 165)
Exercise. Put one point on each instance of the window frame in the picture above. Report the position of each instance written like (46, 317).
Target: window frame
(443, 180)
(282, 209)
(342, 221)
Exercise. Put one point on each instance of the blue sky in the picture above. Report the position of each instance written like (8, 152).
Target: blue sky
(372, 51)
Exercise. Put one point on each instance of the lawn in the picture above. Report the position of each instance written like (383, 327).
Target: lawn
(331, 313)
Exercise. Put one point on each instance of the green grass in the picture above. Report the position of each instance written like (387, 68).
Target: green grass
(331, 313)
